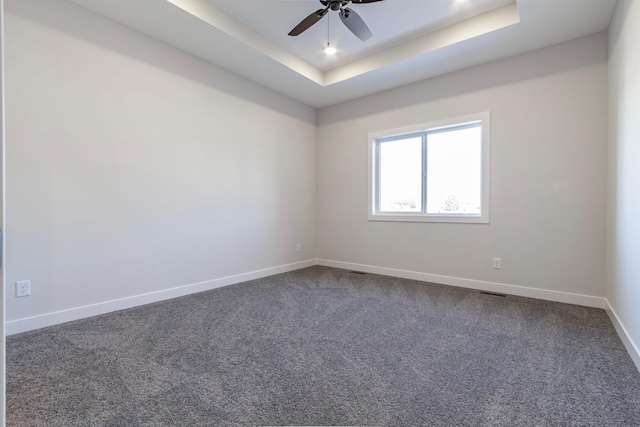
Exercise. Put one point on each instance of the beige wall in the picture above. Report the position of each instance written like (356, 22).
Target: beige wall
(623, 225)
(134, 168)
(548, 160)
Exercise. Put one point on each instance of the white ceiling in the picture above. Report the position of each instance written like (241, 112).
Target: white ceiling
(413, 39)
(392, 22)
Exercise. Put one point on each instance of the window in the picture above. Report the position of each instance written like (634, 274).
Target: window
(437, 172)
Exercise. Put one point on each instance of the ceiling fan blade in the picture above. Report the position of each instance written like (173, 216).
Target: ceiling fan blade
(364, 1)
(307, 22)
(355, 24)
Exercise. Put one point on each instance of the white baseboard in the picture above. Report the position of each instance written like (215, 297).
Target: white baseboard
(50, 319)
(76, 313)
(564, 297)
(632, 348)
(556, 296)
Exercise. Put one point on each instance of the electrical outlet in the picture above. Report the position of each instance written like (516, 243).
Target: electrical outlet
(497, 263)
(298, 247)
(23, 288)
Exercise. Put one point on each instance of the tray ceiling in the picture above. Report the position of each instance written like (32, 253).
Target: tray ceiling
(413, 39)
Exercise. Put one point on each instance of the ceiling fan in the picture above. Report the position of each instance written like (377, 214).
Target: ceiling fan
(349, 18)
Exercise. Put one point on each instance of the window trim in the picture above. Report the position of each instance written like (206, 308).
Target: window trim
(373, 214)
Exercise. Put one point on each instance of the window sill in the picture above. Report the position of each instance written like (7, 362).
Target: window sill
(459, 219)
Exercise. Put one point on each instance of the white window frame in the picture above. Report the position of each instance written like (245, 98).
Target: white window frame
(373, 188)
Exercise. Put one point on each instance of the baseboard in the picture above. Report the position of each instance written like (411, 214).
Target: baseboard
(50, 319)
(630, 345)
(544, 294)
(76, 313)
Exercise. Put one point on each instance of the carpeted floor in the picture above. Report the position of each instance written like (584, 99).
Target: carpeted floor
(323, 346)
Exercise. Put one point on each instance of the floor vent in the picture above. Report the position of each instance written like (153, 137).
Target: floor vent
(494, 294)
(358, 272)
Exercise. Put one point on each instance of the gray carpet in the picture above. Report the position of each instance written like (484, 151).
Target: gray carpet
(323, 346)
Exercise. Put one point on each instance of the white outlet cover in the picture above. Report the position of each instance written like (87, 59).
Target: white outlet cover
(23, 288)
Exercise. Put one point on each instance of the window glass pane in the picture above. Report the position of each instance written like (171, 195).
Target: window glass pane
(401, 175)
(454, 172)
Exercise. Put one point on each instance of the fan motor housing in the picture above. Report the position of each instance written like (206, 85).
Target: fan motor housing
(334, 4)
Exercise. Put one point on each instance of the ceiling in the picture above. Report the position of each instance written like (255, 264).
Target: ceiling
(392, 22)
(413, 39)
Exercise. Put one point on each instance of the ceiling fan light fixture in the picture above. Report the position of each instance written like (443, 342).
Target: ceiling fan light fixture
(330, 50)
